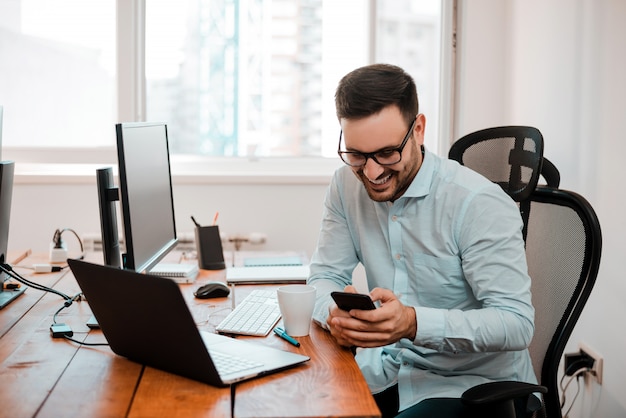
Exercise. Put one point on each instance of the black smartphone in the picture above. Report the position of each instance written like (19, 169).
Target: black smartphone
(347, 301)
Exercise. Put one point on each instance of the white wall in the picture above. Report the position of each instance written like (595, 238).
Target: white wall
(288, 214)
(559, 66)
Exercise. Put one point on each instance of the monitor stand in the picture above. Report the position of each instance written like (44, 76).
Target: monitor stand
(9, 295)
(93, 323)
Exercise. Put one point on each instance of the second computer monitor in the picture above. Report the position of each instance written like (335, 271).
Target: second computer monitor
(108, 196)
(146, 196)
(0, 132)
(6, 189)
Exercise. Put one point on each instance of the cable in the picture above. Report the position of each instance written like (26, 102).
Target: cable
(66, 304)
(58, 251)
(68, 332)
(42, 267)
(9, 270)
(576, 375)
(69, 337)
(83, 343)
(68, 300)
(56, 239)
(566, 415)
(58, 242)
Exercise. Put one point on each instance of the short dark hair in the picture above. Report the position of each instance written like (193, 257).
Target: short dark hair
(367, 90)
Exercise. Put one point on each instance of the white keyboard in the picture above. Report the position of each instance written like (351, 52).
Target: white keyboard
(255, 315)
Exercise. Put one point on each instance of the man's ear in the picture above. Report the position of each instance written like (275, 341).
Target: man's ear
(419, 128)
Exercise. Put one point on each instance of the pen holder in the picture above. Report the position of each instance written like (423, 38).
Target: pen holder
(209, 247)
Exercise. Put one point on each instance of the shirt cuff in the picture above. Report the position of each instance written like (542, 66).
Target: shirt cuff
(431, 327)
(321, 312)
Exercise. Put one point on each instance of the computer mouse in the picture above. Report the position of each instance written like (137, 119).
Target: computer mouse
(212, 290)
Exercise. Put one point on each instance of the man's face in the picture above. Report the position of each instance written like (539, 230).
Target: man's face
(382, 131)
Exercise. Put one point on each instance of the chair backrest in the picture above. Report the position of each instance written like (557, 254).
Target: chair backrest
(562, 235)
(563, 249)
(511, 156)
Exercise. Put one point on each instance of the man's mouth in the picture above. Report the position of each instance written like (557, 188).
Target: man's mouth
(381, 181)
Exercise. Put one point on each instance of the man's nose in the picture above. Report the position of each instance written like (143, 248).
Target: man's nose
(372, 169)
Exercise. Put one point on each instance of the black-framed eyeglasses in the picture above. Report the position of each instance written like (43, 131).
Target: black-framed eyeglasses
(385, 156)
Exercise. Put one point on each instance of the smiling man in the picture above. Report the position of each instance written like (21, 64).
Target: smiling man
(442, 250)
(383, 172)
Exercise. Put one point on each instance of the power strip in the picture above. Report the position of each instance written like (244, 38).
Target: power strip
(58, 254)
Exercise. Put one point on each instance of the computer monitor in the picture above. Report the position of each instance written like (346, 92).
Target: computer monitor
(147, 201)
(0, 132)
(108, 196)
(6, 191)
(7, 169)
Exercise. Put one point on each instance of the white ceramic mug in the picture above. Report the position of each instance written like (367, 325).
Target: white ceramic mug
(296, 303)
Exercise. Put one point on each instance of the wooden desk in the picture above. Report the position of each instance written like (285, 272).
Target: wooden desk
(51, 377)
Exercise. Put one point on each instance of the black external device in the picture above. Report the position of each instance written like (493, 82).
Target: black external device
(347, 301)
(60, 330)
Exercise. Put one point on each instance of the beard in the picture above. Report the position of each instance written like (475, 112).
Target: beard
(391, 184)
(383, 188)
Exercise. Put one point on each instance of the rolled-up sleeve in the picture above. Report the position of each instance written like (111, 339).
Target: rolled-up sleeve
(494, 267)
(335, 258)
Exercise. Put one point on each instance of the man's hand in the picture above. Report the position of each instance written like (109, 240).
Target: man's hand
(373, 328)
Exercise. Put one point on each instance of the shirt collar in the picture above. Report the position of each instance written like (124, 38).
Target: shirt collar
(420, 186)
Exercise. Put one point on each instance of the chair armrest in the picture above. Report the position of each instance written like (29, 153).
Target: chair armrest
(496, 392)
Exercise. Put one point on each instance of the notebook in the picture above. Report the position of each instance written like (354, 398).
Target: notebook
(179, 272)
(267, 274)
(146, 319)
(272, 261)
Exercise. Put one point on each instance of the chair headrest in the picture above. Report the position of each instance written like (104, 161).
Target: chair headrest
(511, 156)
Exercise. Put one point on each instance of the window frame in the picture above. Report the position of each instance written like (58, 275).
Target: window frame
(39, 162)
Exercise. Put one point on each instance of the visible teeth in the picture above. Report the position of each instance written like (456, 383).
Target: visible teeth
(381, 181)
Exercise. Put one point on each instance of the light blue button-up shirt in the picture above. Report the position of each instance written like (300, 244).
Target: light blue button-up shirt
(452, 248)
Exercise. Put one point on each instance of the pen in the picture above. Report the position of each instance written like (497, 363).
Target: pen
(195, 222)
(282, 334)
(215, 218)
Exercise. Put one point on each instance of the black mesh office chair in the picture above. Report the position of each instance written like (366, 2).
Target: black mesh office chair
(511, 156)
(520, 146)
(508, 155)
(563, 249)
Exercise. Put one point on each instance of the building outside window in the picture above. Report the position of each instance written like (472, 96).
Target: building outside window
(234, 78)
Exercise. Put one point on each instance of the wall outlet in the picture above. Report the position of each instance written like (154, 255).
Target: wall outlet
(598, 364)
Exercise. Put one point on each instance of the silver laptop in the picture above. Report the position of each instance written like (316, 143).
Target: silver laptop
(267, 274)
(146, 319)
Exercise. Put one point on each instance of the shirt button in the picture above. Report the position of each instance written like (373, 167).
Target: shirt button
(398, 256)
(394, 218)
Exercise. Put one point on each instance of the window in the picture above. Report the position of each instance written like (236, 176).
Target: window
(229, 77)
(257, 77)
(57, 60)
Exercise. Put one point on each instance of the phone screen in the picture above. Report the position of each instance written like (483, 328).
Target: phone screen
(347, 301)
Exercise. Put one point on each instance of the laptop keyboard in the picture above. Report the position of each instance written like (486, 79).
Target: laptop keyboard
(227, 364)
(255, 315)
